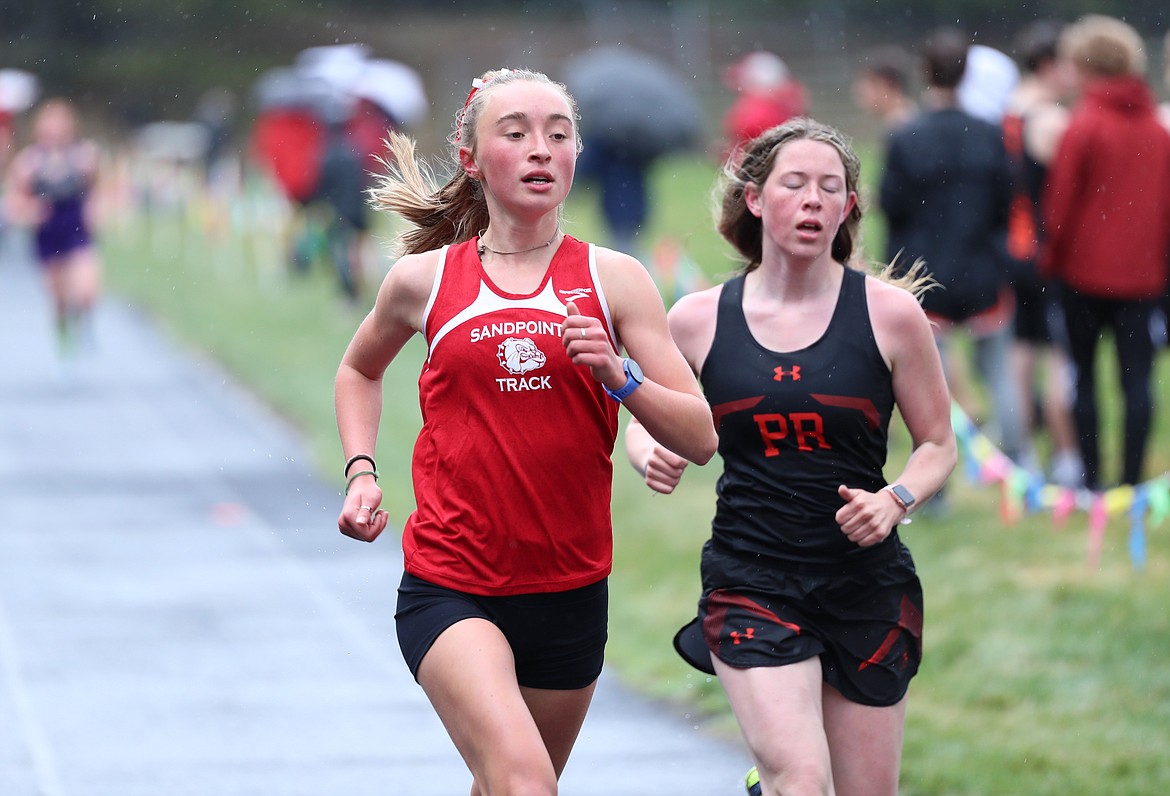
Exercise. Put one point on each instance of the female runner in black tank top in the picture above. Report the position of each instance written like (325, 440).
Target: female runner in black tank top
(811, 611)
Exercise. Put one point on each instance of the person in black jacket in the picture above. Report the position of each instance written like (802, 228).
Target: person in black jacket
(945, 193)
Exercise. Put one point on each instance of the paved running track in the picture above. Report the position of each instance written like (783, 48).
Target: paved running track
(178, 614)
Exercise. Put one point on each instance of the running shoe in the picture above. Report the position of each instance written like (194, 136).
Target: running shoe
(752, 782)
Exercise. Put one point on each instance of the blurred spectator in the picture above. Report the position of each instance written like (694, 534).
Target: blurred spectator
(1164, 108)
(51, 188)
(170, 156)
(882, 86)
(320, 132)
(1162, 336)
(1107, 226)
(634, 110)
(18, 92)
(340, 193)
(945, 193)
(1033, 124)
(621, 176)
(988, 81)
(216, 111)
(768, 96)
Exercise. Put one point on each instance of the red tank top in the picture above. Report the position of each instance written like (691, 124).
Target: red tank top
(512, 469)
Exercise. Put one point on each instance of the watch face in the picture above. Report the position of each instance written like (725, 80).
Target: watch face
(634, 371)
(903, 494)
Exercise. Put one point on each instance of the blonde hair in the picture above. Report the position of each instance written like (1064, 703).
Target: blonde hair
(915, 279)
(1104, 46)
(455, 211)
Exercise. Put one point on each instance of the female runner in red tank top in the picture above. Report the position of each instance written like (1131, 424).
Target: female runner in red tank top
(811, 611)
(502, 608)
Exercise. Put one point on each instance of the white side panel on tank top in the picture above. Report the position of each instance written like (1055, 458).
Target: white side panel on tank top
(489, 301)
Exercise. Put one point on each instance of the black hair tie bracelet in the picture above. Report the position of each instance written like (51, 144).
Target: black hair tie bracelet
(353, 460)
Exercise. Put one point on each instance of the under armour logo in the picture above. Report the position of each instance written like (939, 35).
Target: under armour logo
(794, 374)
(748, 634)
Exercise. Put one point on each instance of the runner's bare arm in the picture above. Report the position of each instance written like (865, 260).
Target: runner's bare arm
(357, 394)
(691, 322)
(669, 404)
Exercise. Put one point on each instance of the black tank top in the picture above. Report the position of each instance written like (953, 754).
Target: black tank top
(792, 427)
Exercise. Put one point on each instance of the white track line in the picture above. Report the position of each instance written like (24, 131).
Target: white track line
(44, 765)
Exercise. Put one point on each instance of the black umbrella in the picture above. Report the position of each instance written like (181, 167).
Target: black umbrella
(633, 101)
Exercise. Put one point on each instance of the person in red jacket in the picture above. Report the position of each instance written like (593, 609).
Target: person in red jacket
(1107, 220)
(768, 95)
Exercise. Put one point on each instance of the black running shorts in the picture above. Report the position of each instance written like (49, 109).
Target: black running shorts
(865, 626)
(557, 638)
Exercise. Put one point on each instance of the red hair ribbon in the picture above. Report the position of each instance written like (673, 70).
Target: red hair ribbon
(476, 85)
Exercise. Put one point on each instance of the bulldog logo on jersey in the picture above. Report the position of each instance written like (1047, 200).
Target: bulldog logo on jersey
(519, 356)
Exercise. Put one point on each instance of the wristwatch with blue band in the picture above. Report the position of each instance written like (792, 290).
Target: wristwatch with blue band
(634, 379)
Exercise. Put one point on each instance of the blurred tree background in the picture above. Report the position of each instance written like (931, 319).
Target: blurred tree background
(134, 61)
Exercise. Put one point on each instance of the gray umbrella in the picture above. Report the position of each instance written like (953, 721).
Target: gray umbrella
(287, 87)
(632, 100)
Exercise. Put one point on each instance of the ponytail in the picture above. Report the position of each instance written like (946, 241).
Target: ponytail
(439, 216)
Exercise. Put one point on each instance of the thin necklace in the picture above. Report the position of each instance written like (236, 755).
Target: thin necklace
(483, 248)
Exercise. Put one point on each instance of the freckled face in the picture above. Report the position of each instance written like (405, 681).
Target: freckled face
(526, 146)
(804, 199)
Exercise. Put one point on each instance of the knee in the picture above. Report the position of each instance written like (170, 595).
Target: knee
(518, 781)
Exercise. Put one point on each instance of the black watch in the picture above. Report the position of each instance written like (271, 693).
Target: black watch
(634, 379)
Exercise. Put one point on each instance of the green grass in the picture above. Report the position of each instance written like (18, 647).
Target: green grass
(1041, 675)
